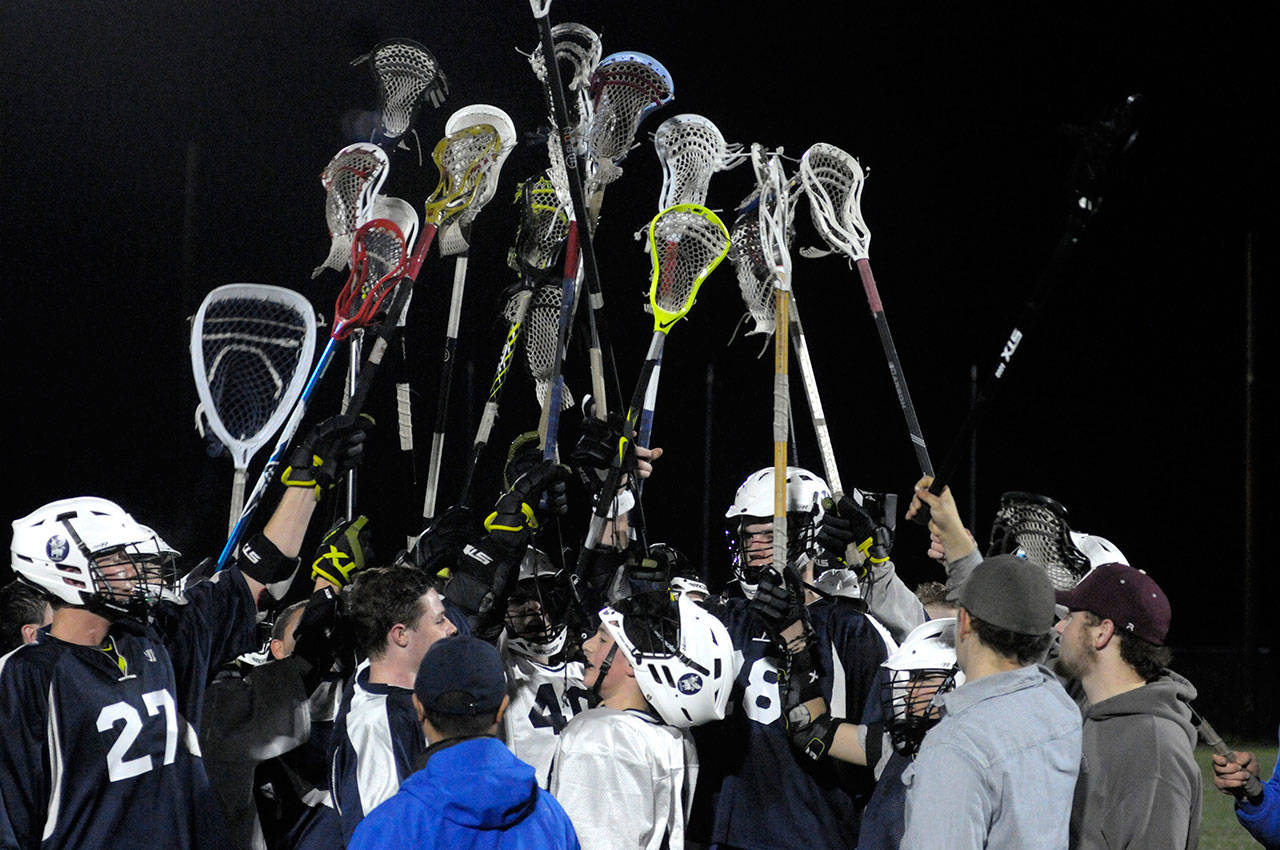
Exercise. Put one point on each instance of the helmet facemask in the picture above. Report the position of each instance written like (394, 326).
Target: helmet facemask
(131, 579)
(536, 613)
(909, 701)
(751, 552)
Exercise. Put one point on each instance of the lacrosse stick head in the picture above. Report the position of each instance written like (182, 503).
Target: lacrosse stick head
(832, 181)
(541, 338)
(480, 114)
(580, 48)
(351, 181)
(251, 350)
(755, 272)
(1035, 526)
(691, 149)
(399, 211)
(686, 243)
(772, 202)
(542, 228)
(407, 75)
(463, 158)
(624, 89)
(378, 259)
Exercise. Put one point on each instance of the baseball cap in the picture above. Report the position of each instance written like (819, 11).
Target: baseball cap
(1011, 593)
(1125, 595)
(461, 675)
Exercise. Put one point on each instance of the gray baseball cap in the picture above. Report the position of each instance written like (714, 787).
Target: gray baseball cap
(1011, 593)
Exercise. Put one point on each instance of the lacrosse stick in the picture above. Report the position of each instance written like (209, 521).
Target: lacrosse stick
(686, 243)
(755, 281)
(580, 48)
(406, 75)
(540, 234)
(1102, 152)
(351, 181)
(378, 246)
(833, 182)
(251, 347)
(625, 88)
(1211, 739)
(455, 240)
(1037, 526)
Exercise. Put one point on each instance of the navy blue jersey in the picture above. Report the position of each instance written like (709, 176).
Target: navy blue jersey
(377, 741)
(754, 792)
(97, 755)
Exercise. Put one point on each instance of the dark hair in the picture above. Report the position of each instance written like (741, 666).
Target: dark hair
(1147, 659)
(461, 725)
(932, 593)
(379, 599)
(20, 605)
(282, 619)
(1025, 649)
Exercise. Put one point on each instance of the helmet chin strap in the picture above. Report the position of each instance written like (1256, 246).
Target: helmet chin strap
(604, 670)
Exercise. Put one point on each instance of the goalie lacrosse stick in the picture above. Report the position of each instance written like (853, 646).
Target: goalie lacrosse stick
(1037, 526)
(351, 181)
(540, 235)
(686, 243)
(378, 246)
(455, 241)
(833, 182)
(407, 75)
(1102, 151)
(251, 348)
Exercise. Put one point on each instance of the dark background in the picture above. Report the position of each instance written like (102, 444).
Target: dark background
(153, 151)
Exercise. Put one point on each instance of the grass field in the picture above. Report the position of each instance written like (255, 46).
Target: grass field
(1219, 829)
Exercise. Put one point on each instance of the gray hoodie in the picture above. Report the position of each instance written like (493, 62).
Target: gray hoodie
(1139, 784)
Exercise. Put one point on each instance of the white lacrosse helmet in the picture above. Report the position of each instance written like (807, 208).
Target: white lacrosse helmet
(681, 654)
(923, 668)
(753, 503)
(57, 548)
(1099, 550)
(536, 608)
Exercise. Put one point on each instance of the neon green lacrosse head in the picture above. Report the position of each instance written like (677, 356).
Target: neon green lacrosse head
(686, 243)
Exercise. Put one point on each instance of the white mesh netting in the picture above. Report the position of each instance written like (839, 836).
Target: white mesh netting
(351, 180)
(833, 182)
(755, 275)
(691, 149)
(407, 74)
(463, 159)
(687, 243)
(542, 228)
(541, 336)
(625, 88)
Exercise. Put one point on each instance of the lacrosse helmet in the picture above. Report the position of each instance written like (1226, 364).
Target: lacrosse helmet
(536, 609)
(753, 504)
(1099, 550)
(920, 671)
(89, 552)
(681, 654)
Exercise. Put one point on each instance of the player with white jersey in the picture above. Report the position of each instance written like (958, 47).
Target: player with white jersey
(626, 772)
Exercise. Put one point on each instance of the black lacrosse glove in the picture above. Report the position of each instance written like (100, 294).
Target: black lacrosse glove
(601, 442)
(480, 582)
(514, 521)
(328, 451)
(343, 551)
(440, 544)
(812, 736)
(317, 639)
(846, 524)
(779, 601)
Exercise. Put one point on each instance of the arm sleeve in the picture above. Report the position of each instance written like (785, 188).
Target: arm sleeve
(259, 717)
(891, 602)
(24, 768)
(958, 572)
(1155, 815)
(1262, 819)
(946, 808)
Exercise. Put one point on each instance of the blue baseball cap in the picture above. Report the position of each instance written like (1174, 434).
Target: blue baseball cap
(461, 675)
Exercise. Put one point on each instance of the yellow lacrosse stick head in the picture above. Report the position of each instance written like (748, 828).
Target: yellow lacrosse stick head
(462, 159)
(686, 243)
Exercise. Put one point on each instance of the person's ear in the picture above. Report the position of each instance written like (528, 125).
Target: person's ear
(1107, 630)
(417, 706)
(506, 701)
(29, 631)
(277, 648)
(396, 635)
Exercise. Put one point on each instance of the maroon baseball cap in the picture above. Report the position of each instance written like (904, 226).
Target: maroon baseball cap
(1127, 596)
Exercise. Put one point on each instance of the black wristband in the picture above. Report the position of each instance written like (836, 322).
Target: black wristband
(261, 561)
(874, 748)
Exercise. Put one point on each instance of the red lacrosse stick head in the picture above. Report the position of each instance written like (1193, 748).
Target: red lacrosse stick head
(378, 259)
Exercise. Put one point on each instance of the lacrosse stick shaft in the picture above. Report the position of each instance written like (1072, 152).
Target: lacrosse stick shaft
(237, 497)
(273, 462)
(895, 367)
(446, 381)
(382, 340)
(1210, 738)
(826, 450)
(404, 401)
(781, 427)
(577, 198)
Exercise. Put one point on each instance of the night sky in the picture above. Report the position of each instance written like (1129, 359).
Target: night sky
(153, 151)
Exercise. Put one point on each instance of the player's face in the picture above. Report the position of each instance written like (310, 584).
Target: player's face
(759, 543)
(920, 693)
(524, 612)
(596, 650)
(119, 574)
(1076, 652)
(432, 625)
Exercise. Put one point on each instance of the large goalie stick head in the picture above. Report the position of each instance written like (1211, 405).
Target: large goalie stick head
(454, 238)
(1036, 526)
(691, 149)
(542, 229)
(686, 243)
(407, 75)
(251, 349)
(351, 181)
(833, 181)
(624, 89)
(541, 338)
(378, 259)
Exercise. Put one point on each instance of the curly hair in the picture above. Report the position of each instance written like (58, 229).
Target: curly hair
(379, 599)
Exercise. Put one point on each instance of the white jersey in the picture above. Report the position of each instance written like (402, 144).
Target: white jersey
(544, 698)
(626, 780)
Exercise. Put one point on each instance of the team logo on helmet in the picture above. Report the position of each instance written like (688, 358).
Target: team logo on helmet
(689, 684)
(57, 548)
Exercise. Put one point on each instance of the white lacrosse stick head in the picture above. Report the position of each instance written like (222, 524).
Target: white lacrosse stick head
(774, 214)
(542, 228)
(469, 116)
(351, 181)
(754, 271)
(832, 181)
(580, 48)
(625, 88)
(691, 149)
(399, 211)
(407, 74)
(251, 351)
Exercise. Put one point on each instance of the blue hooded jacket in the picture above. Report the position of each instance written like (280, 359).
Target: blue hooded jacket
(474, 794)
